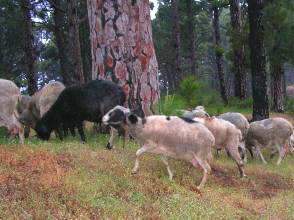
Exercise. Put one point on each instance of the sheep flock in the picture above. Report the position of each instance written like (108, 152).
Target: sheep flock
(194, 137)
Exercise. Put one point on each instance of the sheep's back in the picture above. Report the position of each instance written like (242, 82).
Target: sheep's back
(181, 137)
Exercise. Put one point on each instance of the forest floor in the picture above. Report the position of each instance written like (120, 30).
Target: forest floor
(70, 180)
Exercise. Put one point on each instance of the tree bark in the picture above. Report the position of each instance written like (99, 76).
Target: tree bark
(191, 31)
(86, 50)
(29, 49)
(58, 18)
(219, 55)
(74, 36)
(258, 62)
(277, 87)
(176, 42)
(122, 49)
(238, 50)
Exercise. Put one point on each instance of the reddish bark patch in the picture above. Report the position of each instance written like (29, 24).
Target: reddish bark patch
(109, 62)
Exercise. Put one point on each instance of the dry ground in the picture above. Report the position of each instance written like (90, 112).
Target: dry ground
(70, 180)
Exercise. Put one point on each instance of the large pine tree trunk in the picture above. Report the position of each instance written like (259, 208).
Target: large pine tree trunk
(238, 50)
(192, 36)
(258, 62)
(29, 47)
(58, 18)
(219, 55)
(176, 42)
(123, 51)
(74, 36)
(277, 88)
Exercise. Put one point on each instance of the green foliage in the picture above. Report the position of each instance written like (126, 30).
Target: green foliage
(191, 93)
(235, 102)
(170, 105)
(219, 51)
(289, 105)
(189, 90)
(279, 29)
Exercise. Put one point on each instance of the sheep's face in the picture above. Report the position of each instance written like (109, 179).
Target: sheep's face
(26, 118)
(117, 115)
(42, 131)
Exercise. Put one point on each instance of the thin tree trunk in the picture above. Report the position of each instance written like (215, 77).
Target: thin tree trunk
(258, 62)
(176, 42)
(191, 31)
(86, 49)
(219, 55)
(58, 18)
(74, 36)
(29, 48)
(238, 50)
(277, 88)
(123, 51)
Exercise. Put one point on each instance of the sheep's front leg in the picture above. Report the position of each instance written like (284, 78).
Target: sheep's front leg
(126, 136)
(139, 152)
(258, 152)
(113, 134)
(21, 135)
(165, 161)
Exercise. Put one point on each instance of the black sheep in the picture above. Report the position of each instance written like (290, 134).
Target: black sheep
(78, 103)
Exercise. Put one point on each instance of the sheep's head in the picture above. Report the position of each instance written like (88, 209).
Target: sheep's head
(43, 132)
(115, 116)
(133, 119)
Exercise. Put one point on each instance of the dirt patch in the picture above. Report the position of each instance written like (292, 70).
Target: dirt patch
(7, 157)
(41, 169)
(264, 185)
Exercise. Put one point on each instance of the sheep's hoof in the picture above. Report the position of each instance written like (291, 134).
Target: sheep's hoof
(243, 176)
(198, 188)
(134, 172)
(108, 146)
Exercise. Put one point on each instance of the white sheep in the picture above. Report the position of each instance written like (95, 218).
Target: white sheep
(241, 123)
(272, 133)
(171, 136)
(9, 97)
(199, 111)
(227, 136)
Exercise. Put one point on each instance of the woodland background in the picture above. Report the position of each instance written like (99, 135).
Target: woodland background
(211, 41)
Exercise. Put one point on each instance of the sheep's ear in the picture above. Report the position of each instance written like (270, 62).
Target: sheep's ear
(133, 118)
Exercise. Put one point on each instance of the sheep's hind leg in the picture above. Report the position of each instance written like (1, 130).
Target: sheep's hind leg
(206, 169)
(165, 161)
(139, 152)
(234, 152)
(81, 131)
(282, 152)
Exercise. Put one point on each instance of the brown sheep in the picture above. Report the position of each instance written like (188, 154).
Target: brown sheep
(40, 103)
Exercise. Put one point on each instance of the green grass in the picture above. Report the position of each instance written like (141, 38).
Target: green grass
(71, 180)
